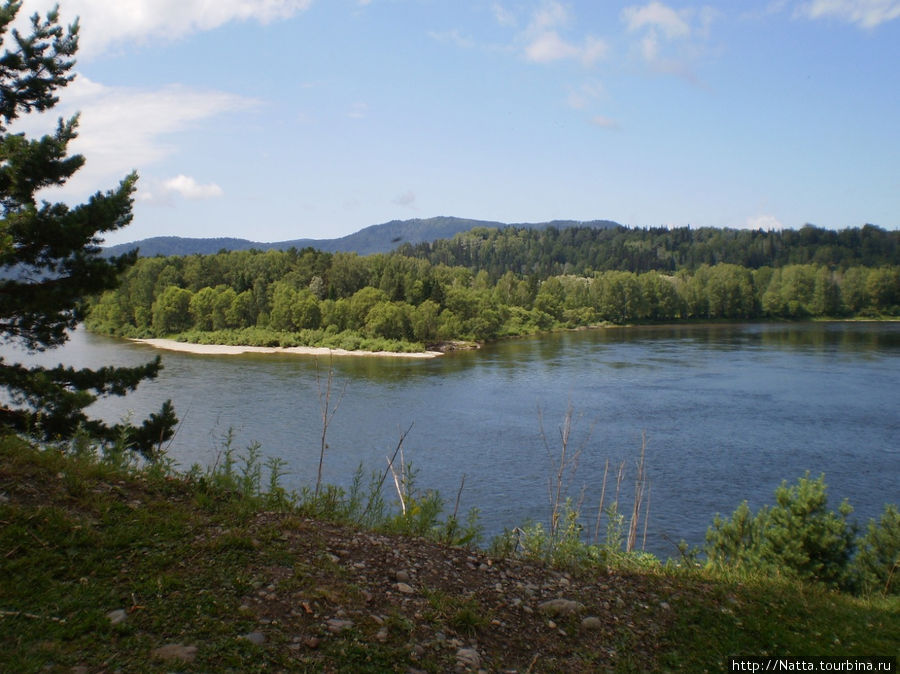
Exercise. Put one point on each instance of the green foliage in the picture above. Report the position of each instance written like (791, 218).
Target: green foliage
(49, 254)
(877, 564)
(798, 537)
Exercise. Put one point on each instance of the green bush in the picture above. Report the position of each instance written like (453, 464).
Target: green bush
(797, 538)
(877, 563)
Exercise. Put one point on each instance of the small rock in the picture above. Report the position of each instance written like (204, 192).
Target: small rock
(257, 638)
(117, 616)
(559, 607)
(311, 642)
(402, 576)
(382, 635)
(79, 669)
(468, 657)
(592, 623)
(664, 605)
(404, 588)
(175, 652)
(337, 625)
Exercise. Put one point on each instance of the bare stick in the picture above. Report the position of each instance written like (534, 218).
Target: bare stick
(397, 487)
(600, 507)
(462, 483)
(638, 497)
(328, 413)
(647, 515)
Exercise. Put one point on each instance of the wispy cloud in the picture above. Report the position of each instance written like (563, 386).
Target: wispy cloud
(668, 40)
(407, 199)
(121, 129)
(107, 24)
(604, 122)
(586, 94)
(189, 188)
(864, 13)
(544, 44)
(503, 16)
(657, 16)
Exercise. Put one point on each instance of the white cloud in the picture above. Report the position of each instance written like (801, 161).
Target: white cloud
(551, 15)
(406, 199)
(504, 16)
(604, 122)
(666, 39)
(549, 46)
(189, 188)
(545, 45)
(865, 13)
(587, 93)
(121, 129)
(105, 23)
(656, 15)
(763, 222)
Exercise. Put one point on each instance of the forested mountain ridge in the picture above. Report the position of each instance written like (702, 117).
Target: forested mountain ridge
(582, 251)
(373, 239)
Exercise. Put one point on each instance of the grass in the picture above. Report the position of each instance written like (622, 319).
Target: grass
(191, 562)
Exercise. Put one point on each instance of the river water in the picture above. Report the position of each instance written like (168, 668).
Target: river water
(728, 412)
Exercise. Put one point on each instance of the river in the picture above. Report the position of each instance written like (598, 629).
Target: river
(728, 412)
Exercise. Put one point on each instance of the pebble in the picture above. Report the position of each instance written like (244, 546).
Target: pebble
(336, 625)
(257, 638)
(402, 576)
(175, 652)
(404, 588)
(117, 616)
(592, 623)
(559, 607)
(468, 657)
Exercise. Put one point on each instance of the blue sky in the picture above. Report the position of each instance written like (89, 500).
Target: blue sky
(283, 119)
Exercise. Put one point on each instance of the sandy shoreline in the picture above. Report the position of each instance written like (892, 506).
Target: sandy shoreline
(223, 350)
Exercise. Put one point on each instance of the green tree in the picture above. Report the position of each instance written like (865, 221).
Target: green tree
(171, 311)
(798, 537)
(826, 300)
(202, 307)
(389, 320)
(878, 561)
(283, 297)
(49, 253)
(242, 313)
(305, 312)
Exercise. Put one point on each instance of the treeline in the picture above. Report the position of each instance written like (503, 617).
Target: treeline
(583, 250)
(393, 301)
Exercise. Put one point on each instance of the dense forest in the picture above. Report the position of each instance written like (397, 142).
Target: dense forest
(583, 250)
(492, 283)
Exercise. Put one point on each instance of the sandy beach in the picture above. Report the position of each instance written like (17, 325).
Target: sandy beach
(223, 350)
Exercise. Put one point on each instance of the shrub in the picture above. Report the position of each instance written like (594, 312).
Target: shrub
(798, 537)
(877, 563)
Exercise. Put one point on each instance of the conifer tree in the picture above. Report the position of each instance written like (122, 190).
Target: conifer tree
(49, 252)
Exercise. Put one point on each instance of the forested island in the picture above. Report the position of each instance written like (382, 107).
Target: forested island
(491, 283)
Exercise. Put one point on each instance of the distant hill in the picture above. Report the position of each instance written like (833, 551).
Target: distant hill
(374, 239)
